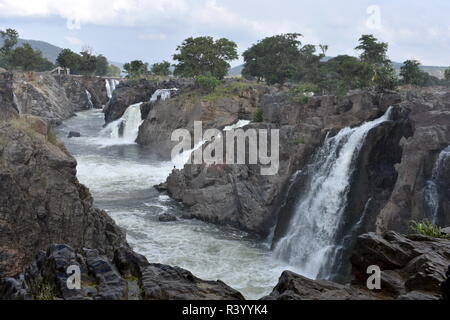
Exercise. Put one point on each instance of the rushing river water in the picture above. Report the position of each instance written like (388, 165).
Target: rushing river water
(121, 176)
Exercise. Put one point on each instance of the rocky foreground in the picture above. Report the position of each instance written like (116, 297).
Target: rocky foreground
(48, 222)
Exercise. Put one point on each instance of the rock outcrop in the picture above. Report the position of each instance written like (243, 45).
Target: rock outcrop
(239, 195)
(8, 107)
(135, 91)
(128, 276)
(412, 268)
(41, 200)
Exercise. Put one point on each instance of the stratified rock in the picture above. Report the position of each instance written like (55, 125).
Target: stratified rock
(160, 282)
(409, 264)
(40, 197)
(73, 134)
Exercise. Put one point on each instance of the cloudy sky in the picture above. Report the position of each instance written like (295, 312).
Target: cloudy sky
(150, 30)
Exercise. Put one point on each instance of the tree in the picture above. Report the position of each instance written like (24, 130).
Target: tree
(69, 59)
(203, 56)
(88, 63)
(136, 69)
(113, 71)
(447, 74)
(411, 73)
(27, 59)
(10, 38)
(161, 69)
(101, 65)
(273, 58)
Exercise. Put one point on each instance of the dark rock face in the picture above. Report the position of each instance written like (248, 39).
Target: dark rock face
(161, 282)
(8, 108)
(128, 276)
(76, 86)
(188, 106)
(412, 268)
(430, 118)
(239, 195)
(167, 217)
(135, 91)
(40, 197)
(74, 134)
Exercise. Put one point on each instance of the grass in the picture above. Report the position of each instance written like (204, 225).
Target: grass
(426, 228)
(226, 91)
(43, 291)
(22, 125)
(297, 141)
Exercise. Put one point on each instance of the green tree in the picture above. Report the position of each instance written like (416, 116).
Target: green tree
(411, 73)
(136, 69)
(10, 37)
(101, 65)
(204, 56)
(27, 59)
(161, 69)
(113, 71)
(69, 59)
(447, 74)
(273, 58)
(88, 63)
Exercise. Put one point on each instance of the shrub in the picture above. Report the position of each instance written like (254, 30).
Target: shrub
(426, 228)
(258, 116)
(300, 93)
(207, 83)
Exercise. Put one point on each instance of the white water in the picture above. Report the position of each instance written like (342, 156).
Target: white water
(162, 94)
(431, 191)
(309, 240)
(121, 177)
(110, 86)
(16, 102)
(89, 97)
(129, 123)
(237, 125)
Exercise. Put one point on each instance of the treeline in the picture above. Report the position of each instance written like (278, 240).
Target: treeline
(23, 57)
(86, 63)
(283, 58)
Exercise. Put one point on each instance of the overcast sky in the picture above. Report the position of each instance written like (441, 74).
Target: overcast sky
(150, 30)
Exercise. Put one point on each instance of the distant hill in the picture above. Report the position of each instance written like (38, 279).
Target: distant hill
(432, 70)
(50, 51)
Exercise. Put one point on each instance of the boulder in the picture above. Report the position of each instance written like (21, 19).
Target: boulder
(167, 217)
(74, 134)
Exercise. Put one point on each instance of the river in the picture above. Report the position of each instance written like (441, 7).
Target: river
(121, 176)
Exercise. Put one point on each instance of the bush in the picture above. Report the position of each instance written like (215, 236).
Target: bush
(258, 116)
(301, 93)
(207, 83)
(426, 228)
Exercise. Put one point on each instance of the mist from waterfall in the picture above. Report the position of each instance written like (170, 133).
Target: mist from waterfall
(433, 188)
(310, 240)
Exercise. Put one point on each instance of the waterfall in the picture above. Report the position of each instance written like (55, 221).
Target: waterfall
(126, 129)
(110, 86)
(309, 242)
(89, 97)
(434, 186)
(16, 102)
(162, 94)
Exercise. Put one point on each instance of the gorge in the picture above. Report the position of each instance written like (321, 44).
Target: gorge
(367, 162)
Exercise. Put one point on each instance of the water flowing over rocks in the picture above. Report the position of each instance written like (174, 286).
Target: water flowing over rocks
(412, 268)
(136, 91)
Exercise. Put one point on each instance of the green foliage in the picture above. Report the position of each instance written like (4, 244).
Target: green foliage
(43, 291)
(411, 72)
(203, 56)
(426, 228)
(447, 74)
(301, 93)
(207, 83)
(84, 63)
(28, 59)
(373, 52)
(258, 116)
(273, 58)
(161, 69)
(113, 71)
(136, 69)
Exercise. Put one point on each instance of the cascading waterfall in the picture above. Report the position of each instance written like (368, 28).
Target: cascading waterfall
(16, 102)
(110, 87)
(162, 94)
(89, 97)
(310, 240)
(432, 191)
(126, 129)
